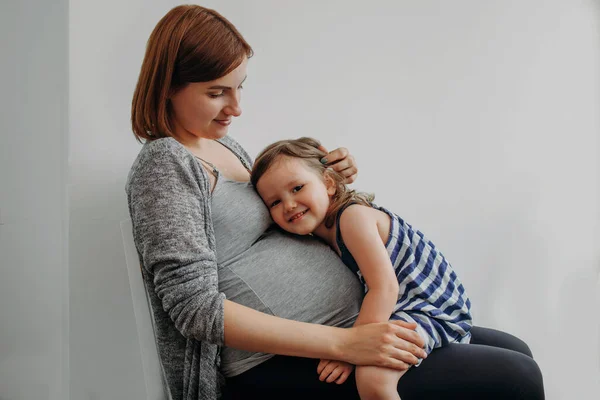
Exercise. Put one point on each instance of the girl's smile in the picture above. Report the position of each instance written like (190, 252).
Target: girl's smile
(298, 198)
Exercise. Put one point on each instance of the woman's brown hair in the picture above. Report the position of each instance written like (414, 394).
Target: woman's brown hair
(189, 44)
(307, 149)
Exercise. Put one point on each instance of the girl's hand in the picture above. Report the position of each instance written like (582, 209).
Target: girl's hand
(393, 344)
(341, 161)
(334, 371)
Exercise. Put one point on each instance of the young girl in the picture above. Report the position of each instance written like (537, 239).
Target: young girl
(404, 274)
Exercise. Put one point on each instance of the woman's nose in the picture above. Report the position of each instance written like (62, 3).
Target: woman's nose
(233, 108)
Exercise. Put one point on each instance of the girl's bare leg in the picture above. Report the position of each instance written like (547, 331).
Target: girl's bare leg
(376, 383)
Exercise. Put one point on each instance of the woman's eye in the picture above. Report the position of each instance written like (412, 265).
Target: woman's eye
(273, 204)
(240, 87)
(215, 95)
(297, 188)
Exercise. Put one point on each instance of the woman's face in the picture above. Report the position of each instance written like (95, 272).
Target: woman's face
(206, 109)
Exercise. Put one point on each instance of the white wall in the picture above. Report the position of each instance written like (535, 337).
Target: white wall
(33, 200)
(107, 43)
(477, 121)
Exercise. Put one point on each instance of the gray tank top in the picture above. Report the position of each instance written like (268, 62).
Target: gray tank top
(262, 267)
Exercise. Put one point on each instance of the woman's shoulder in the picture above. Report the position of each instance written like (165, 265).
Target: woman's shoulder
(165, 147)
(160, 149)
(165, 156)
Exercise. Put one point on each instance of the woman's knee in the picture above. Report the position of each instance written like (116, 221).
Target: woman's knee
(526, 378)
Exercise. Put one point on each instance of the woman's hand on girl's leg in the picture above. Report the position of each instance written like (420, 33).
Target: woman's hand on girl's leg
(392, 344)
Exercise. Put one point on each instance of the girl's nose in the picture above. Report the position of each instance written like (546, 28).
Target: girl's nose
(290, 205)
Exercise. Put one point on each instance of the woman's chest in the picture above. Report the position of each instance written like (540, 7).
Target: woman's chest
(219, 158)
(239, 218)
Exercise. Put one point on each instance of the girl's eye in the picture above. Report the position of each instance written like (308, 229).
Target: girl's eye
(240, 87)
(215, 95)
(297, 188)
(273, 204)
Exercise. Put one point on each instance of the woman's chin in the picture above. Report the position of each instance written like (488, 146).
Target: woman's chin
(218, 131)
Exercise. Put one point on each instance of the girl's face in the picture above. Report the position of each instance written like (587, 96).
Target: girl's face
(297, 197)
(206, 109)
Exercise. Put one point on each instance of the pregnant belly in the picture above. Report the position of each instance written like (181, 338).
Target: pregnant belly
(293, 277)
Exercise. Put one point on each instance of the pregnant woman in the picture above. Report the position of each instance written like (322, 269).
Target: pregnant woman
(240, 309)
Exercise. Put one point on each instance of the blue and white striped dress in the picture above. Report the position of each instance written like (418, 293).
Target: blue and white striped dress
(430, 292)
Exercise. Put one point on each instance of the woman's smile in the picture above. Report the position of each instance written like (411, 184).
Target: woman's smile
(223, 122)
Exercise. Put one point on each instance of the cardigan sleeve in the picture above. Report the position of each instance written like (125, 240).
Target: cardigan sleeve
(169, 204)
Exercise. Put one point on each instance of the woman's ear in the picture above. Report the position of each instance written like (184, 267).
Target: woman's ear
(172, 91)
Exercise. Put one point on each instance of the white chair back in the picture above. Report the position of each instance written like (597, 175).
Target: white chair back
(153, 376)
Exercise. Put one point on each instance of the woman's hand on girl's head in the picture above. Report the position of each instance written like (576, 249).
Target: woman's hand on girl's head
(340, 160)
(393, 344)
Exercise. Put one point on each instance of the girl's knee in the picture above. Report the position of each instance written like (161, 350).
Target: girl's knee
(377, 383)
(373, 392)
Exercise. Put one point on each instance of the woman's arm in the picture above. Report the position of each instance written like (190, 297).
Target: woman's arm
(361, 236)
(392, 345)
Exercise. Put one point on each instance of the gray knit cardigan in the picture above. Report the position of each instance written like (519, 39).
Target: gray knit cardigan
(168, 193)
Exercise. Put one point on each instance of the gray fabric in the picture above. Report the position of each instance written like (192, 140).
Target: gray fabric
(187, 275)
(276, 273)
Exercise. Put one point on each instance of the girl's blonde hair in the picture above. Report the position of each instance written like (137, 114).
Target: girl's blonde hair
(307, 149)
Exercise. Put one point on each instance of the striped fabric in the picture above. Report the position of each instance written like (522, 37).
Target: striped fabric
(430, 292)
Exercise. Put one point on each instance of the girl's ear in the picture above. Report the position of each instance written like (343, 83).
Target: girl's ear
(330, 184)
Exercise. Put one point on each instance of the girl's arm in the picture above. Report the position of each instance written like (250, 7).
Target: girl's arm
(359, 231)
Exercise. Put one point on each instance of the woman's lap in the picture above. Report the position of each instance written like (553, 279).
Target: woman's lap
(495, 338)
(286, 377)
(495, 366)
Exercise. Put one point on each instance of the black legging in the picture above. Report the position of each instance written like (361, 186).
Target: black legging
(494, 366)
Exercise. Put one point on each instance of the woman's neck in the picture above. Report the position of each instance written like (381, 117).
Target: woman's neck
(191, 141)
